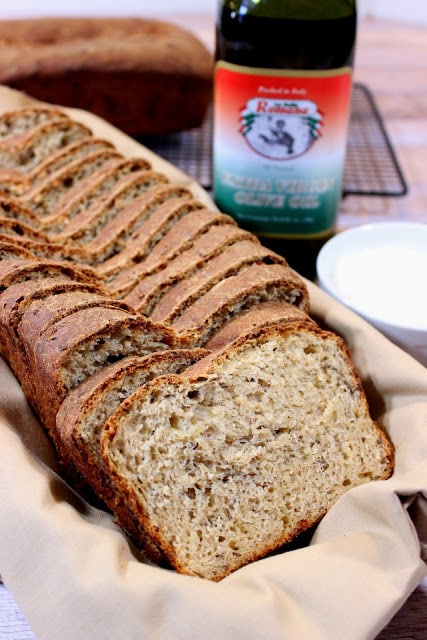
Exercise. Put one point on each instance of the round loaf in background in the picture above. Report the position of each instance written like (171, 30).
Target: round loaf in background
(146, 77)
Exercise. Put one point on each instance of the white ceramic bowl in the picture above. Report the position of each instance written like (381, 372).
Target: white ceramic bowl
(380, 271)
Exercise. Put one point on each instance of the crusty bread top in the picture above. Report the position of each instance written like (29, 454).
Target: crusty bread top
(105, 44)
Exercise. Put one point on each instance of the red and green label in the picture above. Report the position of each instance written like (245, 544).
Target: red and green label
(279, 147)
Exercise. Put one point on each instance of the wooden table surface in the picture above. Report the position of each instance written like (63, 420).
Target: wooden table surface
(391, 60)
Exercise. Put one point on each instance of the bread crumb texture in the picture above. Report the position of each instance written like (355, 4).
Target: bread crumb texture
(229, 466)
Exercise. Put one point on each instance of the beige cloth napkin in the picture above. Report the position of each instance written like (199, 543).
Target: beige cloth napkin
(75, 577)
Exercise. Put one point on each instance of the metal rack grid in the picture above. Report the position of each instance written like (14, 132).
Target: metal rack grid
(371, 167)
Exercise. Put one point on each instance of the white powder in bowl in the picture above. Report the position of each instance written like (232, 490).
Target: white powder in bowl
(387, 283)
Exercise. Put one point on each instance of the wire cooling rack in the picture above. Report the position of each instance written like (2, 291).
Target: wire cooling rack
(371, 167)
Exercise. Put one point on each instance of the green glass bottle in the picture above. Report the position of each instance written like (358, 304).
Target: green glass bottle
(282, 98)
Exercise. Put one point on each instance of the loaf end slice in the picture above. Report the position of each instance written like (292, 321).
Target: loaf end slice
(246, 449)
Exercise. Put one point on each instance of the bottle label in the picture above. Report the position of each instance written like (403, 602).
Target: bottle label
(279, 147)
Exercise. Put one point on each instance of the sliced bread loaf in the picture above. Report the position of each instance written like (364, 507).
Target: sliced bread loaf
(246, 449)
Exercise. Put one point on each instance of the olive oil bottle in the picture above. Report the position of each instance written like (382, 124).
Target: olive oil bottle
(282, 96)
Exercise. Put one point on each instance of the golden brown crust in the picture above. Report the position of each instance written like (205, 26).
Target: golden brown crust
(263, 314)
(142, 285)
(257, 283)
(193, 286)
(59, 347)
(115, 67)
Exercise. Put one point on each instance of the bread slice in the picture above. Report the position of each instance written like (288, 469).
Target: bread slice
(80, 344)
(249, 287)
(180, 238)
(16, 229)
(246, 449)
(261, 315)
(86, 225)
(10, 208)
(24, 151)
(142, 287)
(42, 313)
(48, 250)
(192, 286)
(16, 298)
(82, 415)
(18, 121)
(37, 242)
(47, 193)
(60, 204)
(144, 232)
(72, 152)
(70, 169)
(11, 249)
(15, 271)
(16, 185)
(123, 229)
(14, 302)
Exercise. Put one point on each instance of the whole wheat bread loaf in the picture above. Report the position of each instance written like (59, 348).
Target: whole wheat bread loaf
(208, 460)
